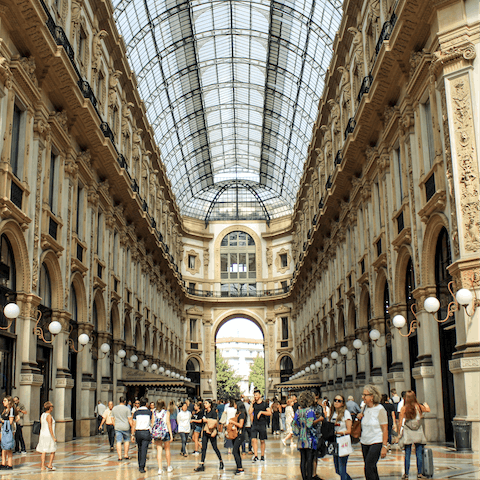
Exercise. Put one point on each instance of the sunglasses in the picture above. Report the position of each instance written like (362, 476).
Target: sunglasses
(338, 400)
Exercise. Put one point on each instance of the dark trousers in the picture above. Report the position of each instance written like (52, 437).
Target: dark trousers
(184, 437)
(99, 421)
(205, 439)
(143, 439)
(247, 438)
(306, 463)
(371, 454)
(236, 451)
(111, 435)
(19, 442)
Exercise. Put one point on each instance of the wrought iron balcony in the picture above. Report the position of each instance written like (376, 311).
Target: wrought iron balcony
(365, 88)
(430, 187)
(87, 91)
(350, 126)
(107, 132)
(338, 158)
(328, 185)
(16, 195)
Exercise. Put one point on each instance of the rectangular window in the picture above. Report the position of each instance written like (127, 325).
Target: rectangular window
(429, 125)
(52, 181)
(284, 286)
(284, 328)
(398, 161)
(284, 260)
(15, 149)
(224, 265)
(233, 265)
(82, 45)
(252, 265)
(191, 288)
(242, 265)
(379, 204)
(79, 212)
(99, 234)
(193, 330)
(191, 262)
(100, 86)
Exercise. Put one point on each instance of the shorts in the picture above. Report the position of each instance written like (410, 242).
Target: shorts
(197, 429)
(259, 431)
(122, 435)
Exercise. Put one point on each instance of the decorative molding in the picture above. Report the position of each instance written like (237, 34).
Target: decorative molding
(196, 268)
(278, 260)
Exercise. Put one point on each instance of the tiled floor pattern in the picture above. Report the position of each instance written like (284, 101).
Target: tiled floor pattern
(91, 459)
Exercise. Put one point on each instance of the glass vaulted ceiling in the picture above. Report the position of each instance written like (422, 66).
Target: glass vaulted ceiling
(232, 90)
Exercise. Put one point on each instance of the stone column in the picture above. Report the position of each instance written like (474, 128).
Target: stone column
(85, 420)
(29, 379)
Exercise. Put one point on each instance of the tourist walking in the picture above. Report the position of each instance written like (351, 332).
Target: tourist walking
(374, 431)
(289, 415)
(47, 443)
(197, 425)
(162, 434)
(210, 422)
(238, 421)
(19, 441)
(307, 436)
(121, 419)
(390, 409)
(173, 411)
(276, 410)
(412, 431)
(99, 409)
(261, 412)
(352, 407)
(141, 422)
(343, 426)
(230, 412)
(8, 440)
(108, 421)
(183, 419)
(247, 429)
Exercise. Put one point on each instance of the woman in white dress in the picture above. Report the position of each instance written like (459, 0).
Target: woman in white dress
(47, 441)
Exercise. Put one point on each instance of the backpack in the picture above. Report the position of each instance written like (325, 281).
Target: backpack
(159, 429)
(232, 430)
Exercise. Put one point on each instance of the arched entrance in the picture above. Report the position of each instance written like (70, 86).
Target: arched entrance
(239, 358)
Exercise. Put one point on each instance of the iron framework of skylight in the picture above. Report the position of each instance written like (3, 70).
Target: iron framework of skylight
(232, 90)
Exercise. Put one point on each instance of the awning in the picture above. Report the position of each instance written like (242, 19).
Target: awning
(299, 383)
(134, 377)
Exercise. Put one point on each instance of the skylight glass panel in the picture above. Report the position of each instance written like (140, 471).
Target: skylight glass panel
(226, 102)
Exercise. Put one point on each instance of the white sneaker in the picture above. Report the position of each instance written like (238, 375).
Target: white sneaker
(160, 471)
(170, 469)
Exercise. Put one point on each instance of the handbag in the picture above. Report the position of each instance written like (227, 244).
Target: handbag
(356, 430)
(36, 427)
(344, 445)
(328, 430)
(8, 442)
(223, 418)
(232, 430)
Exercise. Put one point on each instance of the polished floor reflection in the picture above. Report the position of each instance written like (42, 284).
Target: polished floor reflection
(91, 459)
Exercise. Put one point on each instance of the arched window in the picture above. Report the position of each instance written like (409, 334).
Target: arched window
(7, 265)
(45, 287)
(238, 266)
(286, 368)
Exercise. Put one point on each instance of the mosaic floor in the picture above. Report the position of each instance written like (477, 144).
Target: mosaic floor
(91, 459)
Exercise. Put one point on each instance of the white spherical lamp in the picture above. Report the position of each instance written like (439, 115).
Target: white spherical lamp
(303, 372)
(399, 321)
(312, 367)
(55, 327)
(357, 344)
(334, 355)
(167, 373)
(318, 364)
(122, 353)
(154, 366)
(325, 360)
(464, 297)
(374, 335)
(177, 375)
(270, 380)
(105, 348)
(307, 369)
(83, 339)
(161, 369)
(182, 377)
(344, 350)
(145, 363)
(431, 304)
(11, 310)
(133, 358)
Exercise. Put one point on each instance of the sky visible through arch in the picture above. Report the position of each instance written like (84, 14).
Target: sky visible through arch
(239, 328)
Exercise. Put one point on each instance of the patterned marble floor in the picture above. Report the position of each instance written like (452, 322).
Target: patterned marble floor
(91, 459)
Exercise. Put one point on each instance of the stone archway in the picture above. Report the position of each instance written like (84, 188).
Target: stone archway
(210, 343)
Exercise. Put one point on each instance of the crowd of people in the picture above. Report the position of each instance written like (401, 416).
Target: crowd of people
(310, 423)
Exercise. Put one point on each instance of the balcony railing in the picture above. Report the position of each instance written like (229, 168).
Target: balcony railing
(338, 158)
(350, 126)
(430, 187)
(228, 294)
(365, 88)
(16, 195)
(52, 228)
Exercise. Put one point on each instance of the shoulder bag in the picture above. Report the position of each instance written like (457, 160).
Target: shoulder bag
(232, 430)
(356, 430)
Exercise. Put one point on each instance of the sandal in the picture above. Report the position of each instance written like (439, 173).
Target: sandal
(51, 468)
(404, 476)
